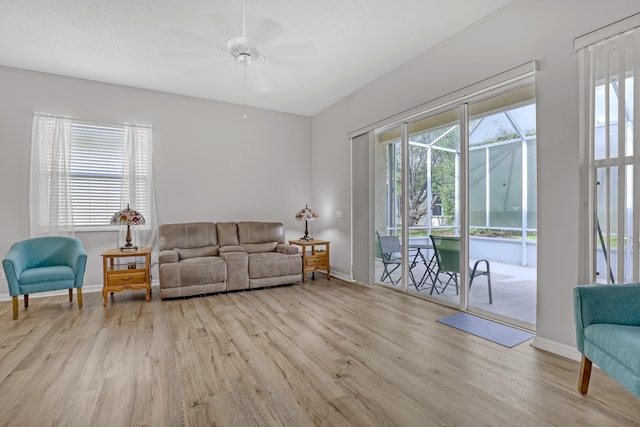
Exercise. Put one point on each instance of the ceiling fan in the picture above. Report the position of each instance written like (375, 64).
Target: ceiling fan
(242, 49)
(246, 51)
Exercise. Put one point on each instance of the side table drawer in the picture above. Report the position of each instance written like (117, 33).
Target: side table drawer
(314, 261)
(127, 278)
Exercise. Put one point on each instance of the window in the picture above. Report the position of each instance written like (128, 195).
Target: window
(84, 172)
(609, 157)
(96, 168)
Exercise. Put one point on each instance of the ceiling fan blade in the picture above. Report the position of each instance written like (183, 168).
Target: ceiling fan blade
(258, 81)
(179, 36)
(195, 54)
(263, 30)
(282, 63)
(191, 52)
(219, 24)
(291, 49)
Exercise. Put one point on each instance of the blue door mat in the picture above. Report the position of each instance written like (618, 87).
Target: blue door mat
(483, 328)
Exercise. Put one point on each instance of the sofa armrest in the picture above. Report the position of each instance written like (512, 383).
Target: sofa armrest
(13, 267)
(228, 249)
(285, 248)
(77, 260)
(79, 267)
(167, 256)
(613, 304)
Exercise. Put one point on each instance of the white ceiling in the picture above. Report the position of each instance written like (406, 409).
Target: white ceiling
(319, 50)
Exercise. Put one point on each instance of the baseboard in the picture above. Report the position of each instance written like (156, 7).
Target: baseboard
(98, 288)
(341, 276)
(556, 348)
(85, 289)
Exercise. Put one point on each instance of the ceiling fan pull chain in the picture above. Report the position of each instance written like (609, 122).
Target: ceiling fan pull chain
(244, 89)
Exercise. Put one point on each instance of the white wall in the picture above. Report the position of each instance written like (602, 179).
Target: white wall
(210, 164)
(331, 170)
(520, 32)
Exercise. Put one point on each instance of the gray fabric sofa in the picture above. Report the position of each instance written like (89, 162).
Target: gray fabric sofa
(205, 257)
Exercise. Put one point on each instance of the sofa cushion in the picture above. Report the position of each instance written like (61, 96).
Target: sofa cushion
(186, 253)
(194, 271)
(273, 264)
(252, 248)
(260, 232)
(187, 235)
(227, 233)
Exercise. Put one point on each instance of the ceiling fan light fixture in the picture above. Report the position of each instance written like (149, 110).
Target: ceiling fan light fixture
(244, 52)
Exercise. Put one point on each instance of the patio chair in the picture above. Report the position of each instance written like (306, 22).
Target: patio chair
(447, 253)
(389, 247)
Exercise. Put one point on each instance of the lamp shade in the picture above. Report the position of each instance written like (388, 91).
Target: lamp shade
(306, 214)
(127, 216)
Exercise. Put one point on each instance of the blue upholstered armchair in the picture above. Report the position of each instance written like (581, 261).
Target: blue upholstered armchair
(44, 264)
(607, 321)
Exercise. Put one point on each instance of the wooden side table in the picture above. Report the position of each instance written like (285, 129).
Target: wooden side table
(128, 269)
(315, 256)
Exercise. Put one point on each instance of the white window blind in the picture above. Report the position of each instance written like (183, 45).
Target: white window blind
(610, 162)
(96, 173)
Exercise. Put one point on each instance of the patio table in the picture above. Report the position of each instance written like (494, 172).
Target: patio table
(429, 273)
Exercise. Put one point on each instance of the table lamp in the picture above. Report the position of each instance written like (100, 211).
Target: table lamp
(128, 217)
(307, 215)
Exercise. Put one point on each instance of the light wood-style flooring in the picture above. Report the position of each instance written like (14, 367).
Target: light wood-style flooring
(319, 353)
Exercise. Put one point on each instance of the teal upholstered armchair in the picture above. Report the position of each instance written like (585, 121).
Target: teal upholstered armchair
(44, 264)
(607, 321)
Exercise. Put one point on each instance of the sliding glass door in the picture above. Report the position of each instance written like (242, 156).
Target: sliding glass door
(433, 198)
(502, 203)
(388, 176)
(455, 205)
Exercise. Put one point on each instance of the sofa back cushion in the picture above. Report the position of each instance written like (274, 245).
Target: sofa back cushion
(227, 234)
(250, 232)
(187, 235)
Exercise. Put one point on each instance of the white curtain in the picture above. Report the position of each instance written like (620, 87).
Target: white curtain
(51, 211)
(137, 183)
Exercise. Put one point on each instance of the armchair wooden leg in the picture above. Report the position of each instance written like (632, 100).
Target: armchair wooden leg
(26, 300)
(585, 375)
(14, 301)
(70, 294)
(79, 290)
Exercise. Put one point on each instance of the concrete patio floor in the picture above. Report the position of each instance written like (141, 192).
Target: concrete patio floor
(513, 290)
